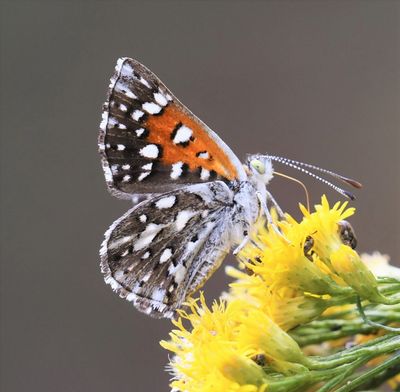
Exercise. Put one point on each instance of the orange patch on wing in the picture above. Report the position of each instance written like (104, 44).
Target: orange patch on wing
(160, 128)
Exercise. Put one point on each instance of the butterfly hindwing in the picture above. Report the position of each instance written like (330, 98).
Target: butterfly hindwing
(164, 248)
(151, 143)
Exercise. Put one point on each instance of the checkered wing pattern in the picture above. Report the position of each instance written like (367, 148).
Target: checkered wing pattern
(163, 249)
(151, 143)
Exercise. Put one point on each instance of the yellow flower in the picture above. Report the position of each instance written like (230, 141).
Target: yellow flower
(281, 260)
(348, 265)
(258, 334)
(293, 278)
(323, 226)
(287, 307)
(313, 257)
(208, 356)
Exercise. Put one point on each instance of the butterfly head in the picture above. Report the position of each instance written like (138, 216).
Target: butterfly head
(260, 169)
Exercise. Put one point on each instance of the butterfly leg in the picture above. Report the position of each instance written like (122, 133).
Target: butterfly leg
(275, 204)
(267, 213)
(241, 245)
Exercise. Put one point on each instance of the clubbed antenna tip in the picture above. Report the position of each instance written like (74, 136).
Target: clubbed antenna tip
(349, 195)
(351, 182)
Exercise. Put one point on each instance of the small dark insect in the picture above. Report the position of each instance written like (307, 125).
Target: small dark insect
(347, 235)
(260, 359)
(308, 245)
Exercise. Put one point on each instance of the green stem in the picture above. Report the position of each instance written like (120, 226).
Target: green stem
(338, 367)
(372, 323)
(384, 376)
(385, 279)
(370, 375)
(300, 381)
(358, 352)
(342, 376)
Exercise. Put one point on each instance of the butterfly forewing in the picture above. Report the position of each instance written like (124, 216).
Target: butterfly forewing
(151, 143)
(163, 249)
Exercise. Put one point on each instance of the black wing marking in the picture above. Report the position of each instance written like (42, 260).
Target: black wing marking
(163, 249)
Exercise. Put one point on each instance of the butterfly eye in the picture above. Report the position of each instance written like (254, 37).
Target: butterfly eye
(258, 165)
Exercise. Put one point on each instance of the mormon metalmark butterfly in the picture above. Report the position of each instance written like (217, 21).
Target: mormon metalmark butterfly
(195, 199)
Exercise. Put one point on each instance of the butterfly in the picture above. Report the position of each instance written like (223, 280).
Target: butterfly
(193, 198)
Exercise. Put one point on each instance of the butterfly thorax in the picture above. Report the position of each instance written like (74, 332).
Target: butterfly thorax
(246, 209)
(246, 204)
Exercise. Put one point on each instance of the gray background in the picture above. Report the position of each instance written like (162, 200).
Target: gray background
(314, 81)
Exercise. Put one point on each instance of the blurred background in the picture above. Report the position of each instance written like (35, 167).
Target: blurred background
(316, 81)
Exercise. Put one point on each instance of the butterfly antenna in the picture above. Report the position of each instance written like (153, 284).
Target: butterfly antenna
(294, 165)
(339, 177)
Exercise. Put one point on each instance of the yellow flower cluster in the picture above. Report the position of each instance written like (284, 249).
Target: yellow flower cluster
(208, 354)
(296, 275)
(226, 347)
(290, 276)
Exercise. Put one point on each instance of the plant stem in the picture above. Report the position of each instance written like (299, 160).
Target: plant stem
(370, 375)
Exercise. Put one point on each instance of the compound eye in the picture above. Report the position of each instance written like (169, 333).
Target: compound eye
(258, 165)
(347, 235)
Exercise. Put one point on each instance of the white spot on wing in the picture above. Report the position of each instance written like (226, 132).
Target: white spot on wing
(160, 99)
(124, 253)
(146, 255)
(124, 89)
(126, 167)
(179, 272)
(123, 107)
(139, 132)
(183, 134)
(137, 114)
(151, 107)
(149, 151)
(119, 241)
(124, 68)
(112, 121)
(143, 176)
(147, 276)
(166, 255)
(147, 166)
(118, 275)
(166, 202)
(145, 82)
(131, 297)
(204, 155)
(183, 218)
(191, 246)
(205, 174)
(143, 218)
(126, 178)
(176, 170)
(152, 229)
(104, 119)
(120, 147)
(158, 295)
